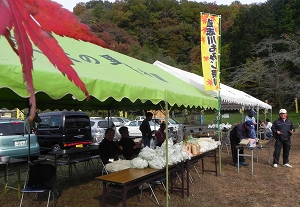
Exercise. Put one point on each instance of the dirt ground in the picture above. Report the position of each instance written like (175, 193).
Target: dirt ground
(267, 187)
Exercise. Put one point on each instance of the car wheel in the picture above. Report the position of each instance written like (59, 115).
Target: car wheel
(56, 147)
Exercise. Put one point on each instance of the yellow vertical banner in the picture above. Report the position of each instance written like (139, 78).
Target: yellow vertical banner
(210, 39)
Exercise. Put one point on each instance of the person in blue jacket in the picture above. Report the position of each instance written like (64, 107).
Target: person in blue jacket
(250, 117)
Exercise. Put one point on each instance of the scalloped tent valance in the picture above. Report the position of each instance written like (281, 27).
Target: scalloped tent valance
(113, 80)
(231, 98)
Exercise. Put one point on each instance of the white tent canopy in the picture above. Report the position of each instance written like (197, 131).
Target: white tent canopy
(231, 98)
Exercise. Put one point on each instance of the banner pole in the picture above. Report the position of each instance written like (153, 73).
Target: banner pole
(219, 97)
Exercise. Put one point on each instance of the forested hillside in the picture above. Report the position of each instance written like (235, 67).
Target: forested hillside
(260, 42)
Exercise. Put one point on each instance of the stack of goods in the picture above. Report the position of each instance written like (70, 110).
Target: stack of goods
(192, 147)
(156, 158)
(205, 144)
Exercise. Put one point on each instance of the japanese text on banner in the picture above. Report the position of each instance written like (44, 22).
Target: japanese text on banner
(209, 33)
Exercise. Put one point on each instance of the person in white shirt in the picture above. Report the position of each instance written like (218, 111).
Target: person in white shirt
(268, 129)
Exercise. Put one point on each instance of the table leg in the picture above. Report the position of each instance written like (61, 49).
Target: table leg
(69, 166)
(182, 178)
(103, 194)
(5, 179)
(269, 152)
(252, 161)
(124, 196)
(187, 180)
(19, 182)
(171, 179)
(238, 159)
(216, 166)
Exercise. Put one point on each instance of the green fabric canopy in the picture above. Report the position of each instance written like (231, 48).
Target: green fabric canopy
(113, 80)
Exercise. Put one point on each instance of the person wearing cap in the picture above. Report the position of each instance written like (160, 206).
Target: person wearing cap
(282, 130)
(250, 117)
(239, 132)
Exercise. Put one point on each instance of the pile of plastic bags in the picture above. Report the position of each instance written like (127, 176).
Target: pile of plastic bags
(156, 158)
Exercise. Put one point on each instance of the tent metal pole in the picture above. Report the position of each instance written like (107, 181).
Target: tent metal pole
(167, 154)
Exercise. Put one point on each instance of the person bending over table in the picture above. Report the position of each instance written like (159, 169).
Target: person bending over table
(108, 148)
(130, 148)
(239, 132)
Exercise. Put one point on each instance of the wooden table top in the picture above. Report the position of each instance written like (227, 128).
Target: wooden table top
(128, 175)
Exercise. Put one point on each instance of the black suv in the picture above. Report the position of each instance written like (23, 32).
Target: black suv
(64, 129)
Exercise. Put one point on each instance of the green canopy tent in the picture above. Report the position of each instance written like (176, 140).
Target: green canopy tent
(112, 79)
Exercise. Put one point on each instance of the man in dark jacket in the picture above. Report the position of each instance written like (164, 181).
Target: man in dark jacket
(108, 148)
(130, 148)
(282, 130)
(239, 132)
(146, 129)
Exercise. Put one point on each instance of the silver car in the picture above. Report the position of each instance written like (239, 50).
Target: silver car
(134, 128)
(98, 128)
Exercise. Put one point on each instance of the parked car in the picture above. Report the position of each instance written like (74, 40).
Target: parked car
(140, 118)
(134, 128)
(171, 123)
(175, 128)
(14, 140)
(64, 129)
(98, 128)
(118, 121)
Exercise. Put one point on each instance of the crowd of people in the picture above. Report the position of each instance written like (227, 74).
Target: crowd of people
(281, 130)
(111, 150)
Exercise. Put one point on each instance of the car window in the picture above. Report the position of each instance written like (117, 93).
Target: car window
(151, 123)
(133, 123)
(140, 122)
(83, 122)
(75, 121)
(105, 124)
(12, 128)
(45, 123)
(172, 121)
(92, 123)
(55, 122)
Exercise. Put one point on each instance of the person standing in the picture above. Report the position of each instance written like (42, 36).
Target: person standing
(250, 117)
(146, 129)
(282, 130)
(239, 132)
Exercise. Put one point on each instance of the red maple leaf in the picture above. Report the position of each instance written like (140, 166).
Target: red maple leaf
(37, 19)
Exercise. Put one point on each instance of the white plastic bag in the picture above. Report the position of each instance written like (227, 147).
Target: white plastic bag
(147, 153)
(139, 163)
(157, 163)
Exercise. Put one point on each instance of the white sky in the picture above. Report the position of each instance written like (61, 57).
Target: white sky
(70, 4)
